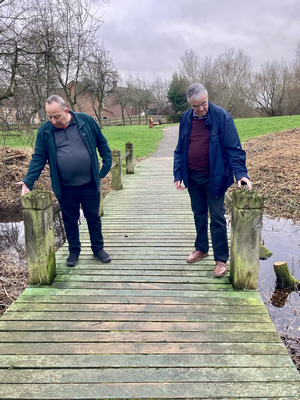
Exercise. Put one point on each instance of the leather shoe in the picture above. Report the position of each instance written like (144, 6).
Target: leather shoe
(196, 256)
(220, 269)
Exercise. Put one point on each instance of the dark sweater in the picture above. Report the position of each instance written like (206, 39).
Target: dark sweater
(198, 156)
(72, 156)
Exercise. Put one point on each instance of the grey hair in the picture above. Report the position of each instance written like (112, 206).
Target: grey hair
(57, 99)
(195, 90)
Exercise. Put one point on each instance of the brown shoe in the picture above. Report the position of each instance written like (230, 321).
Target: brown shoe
(220, 269)
(196, 256)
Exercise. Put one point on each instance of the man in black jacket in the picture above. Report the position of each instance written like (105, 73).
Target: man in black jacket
(207, 154)
(68, 141)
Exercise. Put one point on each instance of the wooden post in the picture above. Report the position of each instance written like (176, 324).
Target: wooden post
(245, 238)
(39, 236)
(130, 158)
(116, 171)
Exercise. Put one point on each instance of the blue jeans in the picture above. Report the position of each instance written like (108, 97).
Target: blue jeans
(89, 197)
(199, 188)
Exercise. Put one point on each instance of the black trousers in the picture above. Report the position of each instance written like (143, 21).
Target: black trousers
(199, 188)
(89, 197)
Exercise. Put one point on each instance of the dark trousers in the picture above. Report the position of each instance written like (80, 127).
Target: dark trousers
(199, 188)
(89, 197)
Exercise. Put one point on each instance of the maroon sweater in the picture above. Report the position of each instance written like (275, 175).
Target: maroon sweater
(198, 156)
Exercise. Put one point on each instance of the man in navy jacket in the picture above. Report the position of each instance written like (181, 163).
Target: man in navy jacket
(68, 141)
(207, 155)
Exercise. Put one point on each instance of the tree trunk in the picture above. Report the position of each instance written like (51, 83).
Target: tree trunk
(285, 279)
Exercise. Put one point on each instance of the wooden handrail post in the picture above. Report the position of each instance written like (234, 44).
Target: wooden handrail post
(39, 236)
(246, 224)
(129, 158)
(116, 171)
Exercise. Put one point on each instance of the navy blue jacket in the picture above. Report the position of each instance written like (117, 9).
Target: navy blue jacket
(225, 152)
(45, 151)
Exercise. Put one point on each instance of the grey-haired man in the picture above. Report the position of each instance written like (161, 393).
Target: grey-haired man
(207, 155)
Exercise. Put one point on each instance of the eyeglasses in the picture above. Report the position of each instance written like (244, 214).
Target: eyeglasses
(203, 105)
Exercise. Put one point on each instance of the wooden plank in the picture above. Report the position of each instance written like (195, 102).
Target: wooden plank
(152, 390)
(144, 286)
(60, 298)
(115, 316)
(154, 337)
(144, 360)
(144, 308)
(141, 279)
(143, 348)
(98, 326)
(150, 375)
(50, 290)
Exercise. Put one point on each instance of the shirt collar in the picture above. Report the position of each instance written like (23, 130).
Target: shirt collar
(72, 121)
(195, 115)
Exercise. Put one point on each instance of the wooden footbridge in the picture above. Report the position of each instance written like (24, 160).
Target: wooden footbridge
(147, 325)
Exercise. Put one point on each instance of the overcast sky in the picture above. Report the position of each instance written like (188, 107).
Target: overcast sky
(148, 37)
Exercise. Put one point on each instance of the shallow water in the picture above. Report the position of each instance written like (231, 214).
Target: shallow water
(282, 238)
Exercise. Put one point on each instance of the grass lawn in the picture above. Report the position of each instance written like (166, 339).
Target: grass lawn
(146, 140)
(254, 127)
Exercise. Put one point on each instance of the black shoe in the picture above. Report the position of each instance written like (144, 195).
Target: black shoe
(72, 259)
(102, 256)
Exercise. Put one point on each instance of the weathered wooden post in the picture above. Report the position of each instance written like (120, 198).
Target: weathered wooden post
(116, 171)
(39, 236)
(245, 238)
(129, 158)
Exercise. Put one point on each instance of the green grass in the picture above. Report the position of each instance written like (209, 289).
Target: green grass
(16, 140)
(254, 127)
(146, 140)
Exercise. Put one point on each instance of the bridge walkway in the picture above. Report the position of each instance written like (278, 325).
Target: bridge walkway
(147, 325)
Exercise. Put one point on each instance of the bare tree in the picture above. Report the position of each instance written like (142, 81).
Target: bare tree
(190, 66)
(100, 77)
(141, 96)
(159, 88)
(269, 88)
(122, 96)
(58, 36)
(232, 76)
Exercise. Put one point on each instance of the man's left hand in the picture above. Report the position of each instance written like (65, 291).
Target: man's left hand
(246, 180)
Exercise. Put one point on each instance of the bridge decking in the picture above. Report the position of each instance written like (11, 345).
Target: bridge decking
(147, 325)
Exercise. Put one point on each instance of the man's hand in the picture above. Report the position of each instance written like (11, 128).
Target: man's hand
(178, 185)
(24, 188)
(246, 180)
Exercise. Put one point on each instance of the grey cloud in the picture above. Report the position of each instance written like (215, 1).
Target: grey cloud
(149, 36)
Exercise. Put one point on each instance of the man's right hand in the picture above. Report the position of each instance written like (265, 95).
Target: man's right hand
(178, 185)
(24, 188)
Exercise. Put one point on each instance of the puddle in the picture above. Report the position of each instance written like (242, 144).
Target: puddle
(282, 238)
